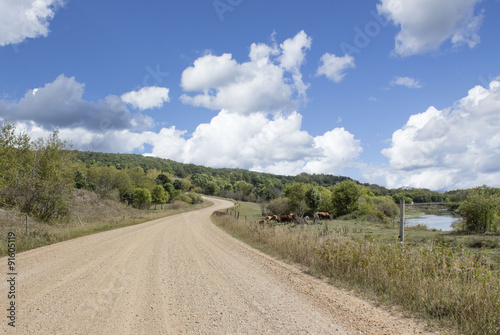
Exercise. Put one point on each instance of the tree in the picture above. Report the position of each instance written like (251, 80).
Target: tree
(35, 176)
(141, 197)
(278, 206)
(159, 196)
(481, 209)
(386, 206)
(163, 179)
(345, 197)
(296, 193)
(182, 184)
(80, 180)
(313, 199)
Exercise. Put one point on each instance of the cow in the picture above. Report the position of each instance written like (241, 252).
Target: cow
(322, 216)
(286, 218)
(268, 218)
(262, 222)
(275, 218)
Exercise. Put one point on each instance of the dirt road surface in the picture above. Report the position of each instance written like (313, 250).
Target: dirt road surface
(178, 275)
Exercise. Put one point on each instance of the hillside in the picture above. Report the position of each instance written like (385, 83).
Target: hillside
(269, 186)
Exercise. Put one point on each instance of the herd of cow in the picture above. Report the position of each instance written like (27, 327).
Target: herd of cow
(295, 218)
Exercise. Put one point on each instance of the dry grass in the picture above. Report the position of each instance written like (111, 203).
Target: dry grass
(89, 214)
(451, 285)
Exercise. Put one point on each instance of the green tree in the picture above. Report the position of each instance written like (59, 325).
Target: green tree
(163, 179)
(159, 196)
(243, 187)
(296, 194)
(35, 176)
(313, 199)
(386, 206)
(325, 204)
(278, 206)
(80, 180)
(480, 209)
(345, 197)
(142, 197)
(182, 184)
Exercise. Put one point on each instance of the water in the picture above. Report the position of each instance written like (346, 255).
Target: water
(442, 222)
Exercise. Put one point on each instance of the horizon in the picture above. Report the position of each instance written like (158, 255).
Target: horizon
(392, 93)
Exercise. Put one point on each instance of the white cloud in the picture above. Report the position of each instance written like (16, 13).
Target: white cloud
(60, 104)
(147, 97)
(293, 56)
(337, 151)
(334, 67)
(405, 81)
(252, 142)
(457, 147)
(259, 85)
(21, 19)
(254, 129)
(426, 24)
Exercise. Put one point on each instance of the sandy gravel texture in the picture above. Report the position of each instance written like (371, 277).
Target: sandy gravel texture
(179, 275)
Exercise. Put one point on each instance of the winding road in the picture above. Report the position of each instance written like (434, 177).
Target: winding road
(179, 275)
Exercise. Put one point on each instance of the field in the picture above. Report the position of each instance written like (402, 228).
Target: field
(449, 279)
(90, 214)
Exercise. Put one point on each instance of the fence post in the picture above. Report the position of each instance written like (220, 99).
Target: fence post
(26, 224)
(402, 221)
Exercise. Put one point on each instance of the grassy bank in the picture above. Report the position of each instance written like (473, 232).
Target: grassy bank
(90, 214)
(431, 276)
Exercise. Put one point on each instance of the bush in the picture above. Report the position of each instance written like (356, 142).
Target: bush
(35, 176)
(142, 197)
(481, 209)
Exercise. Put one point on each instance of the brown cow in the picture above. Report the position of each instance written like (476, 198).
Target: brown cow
(268, 218)
(286, 218)
(322, 216)
(262, 222)
(275, 218)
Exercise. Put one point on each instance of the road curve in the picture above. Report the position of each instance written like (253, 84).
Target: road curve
(178, 275)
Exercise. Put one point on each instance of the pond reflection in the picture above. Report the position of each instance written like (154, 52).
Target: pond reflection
(442, 222)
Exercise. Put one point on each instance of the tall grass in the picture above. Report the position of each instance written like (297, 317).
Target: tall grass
(450, 284)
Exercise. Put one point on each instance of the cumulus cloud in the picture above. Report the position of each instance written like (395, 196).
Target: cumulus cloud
(260, 85)
(147, 97)
(254, 142)
(334, 67)
(293, 56)
(457, 147)
(23, 19)
(255, 128)
(405, 81)
(426, 24)
(60, 104)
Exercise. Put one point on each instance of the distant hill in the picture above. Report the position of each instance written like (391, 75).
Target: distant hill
(181, 170)
(257, 179)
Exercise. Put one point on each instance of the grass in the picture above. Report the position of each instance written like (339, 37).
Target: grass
(89, 215)
(447, 278)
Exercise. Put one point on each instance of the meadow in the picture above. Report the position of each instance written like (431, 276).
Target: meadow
(450, 279)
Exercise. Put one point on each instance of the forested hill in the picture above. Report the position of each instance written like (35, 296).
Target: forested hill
(263, 186)
(181, 170)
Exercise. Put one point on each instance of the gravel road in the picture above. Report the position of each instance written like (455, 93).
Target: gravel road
(178, 275)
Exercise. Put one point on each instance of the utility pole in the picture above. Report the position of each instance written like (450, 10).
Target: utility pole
(402, 221)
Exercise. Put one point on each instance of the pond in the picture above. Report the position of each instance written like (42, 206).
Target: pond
(442, 222)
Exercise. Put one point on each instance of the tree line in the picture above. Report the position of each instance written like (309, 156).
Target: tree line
(38, 177)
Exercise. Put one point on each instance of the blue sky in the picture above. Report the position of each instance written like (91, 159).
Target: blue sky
(393, 92)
